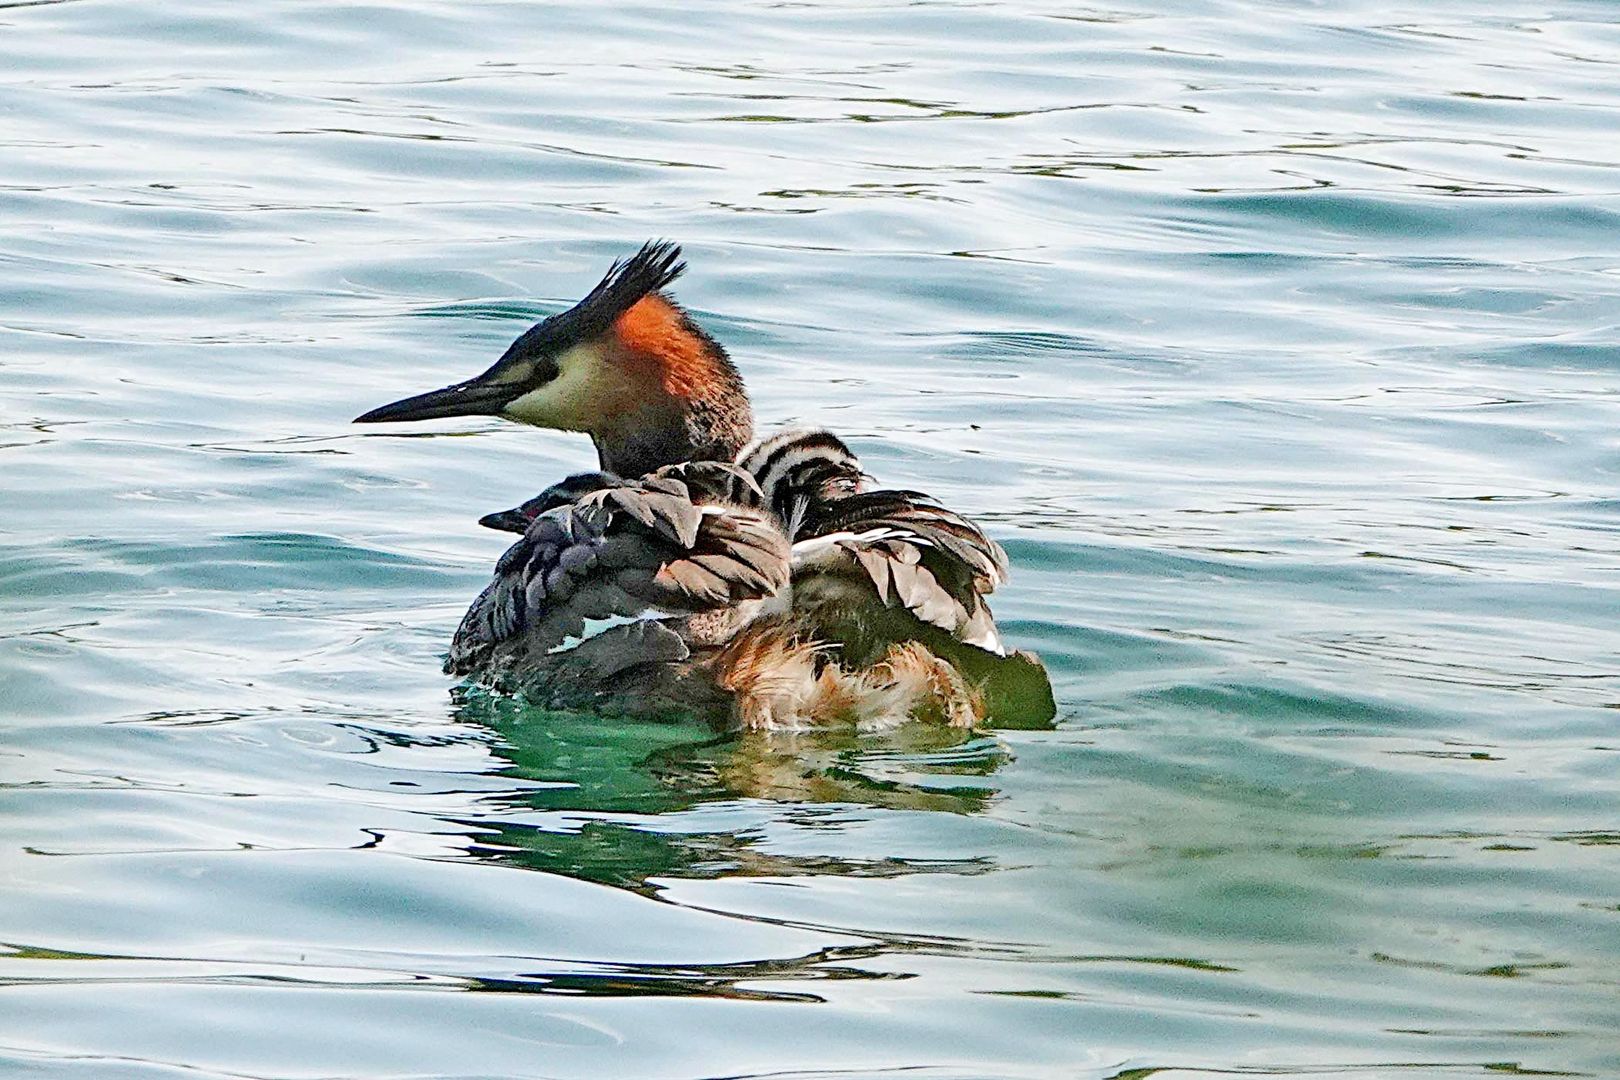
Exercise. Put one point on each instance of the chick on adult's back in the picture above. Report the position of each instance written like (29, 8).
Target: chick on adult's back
(766, 585)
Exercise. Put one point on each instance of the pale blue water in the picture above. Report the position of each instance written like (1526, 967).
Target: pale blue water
(1278, 343)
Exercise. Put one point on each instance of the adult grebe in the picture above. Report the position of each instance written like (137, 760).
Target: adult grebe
(763, 583)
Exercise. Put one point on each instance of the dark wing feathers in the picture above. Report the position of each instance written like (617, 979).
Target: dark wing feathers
(658, 504)
(917, 514)
(687, 538)
(717, 483)
(916, 554)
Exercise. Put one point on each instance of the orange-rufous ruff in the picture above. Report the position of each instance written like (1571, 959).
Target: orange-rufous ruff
(657, 332)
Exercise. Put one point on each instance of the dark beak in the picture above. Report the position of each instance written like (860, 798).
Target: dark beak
(475, 397)
(512, 521)
(525, 364)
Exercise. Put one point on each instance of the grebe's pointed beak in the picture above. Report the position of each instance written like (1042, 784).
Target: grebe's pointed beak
(517, 372)
(463, 399)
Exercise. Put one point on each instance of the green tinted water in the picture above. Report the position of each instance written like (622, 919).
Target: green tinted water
(1277, 343)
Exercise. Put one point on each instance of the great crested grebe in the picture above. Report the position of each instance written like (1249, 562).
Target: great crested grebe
(764, 582)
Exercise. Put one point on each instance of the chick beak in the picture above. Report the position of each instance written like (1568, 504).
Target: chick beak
(512, 521)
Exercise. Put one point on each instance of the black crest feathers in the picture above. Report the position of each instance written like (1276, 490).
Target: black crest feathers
(656, 265)
(628, 280)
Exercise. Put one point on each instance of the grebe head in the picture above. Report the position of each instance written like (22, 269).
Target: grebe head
(626, 365)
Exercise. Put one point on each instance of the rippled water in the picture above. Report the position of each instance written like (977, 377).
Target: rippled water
(1276, 341)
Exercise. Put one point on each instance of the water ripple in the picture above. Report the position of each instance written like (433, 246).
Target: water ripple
(1276, 343)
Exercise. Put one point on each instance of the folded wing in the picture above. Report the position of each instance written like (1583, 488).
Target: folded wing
(689, 538)
(914, 554)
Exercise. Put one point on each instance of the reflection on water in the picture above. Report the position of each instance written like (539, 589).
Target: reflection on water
(609, 790)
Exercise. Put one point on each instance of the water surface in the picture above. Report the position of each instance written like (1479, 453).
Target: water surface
(1277, 342)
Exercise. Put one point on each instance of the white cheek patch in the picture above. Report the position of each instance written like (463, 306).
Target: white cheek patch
(566, 402)
(540, 407)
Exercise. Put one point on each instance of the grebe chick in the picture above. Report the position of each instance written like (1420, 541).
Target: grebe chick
(765, 584)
